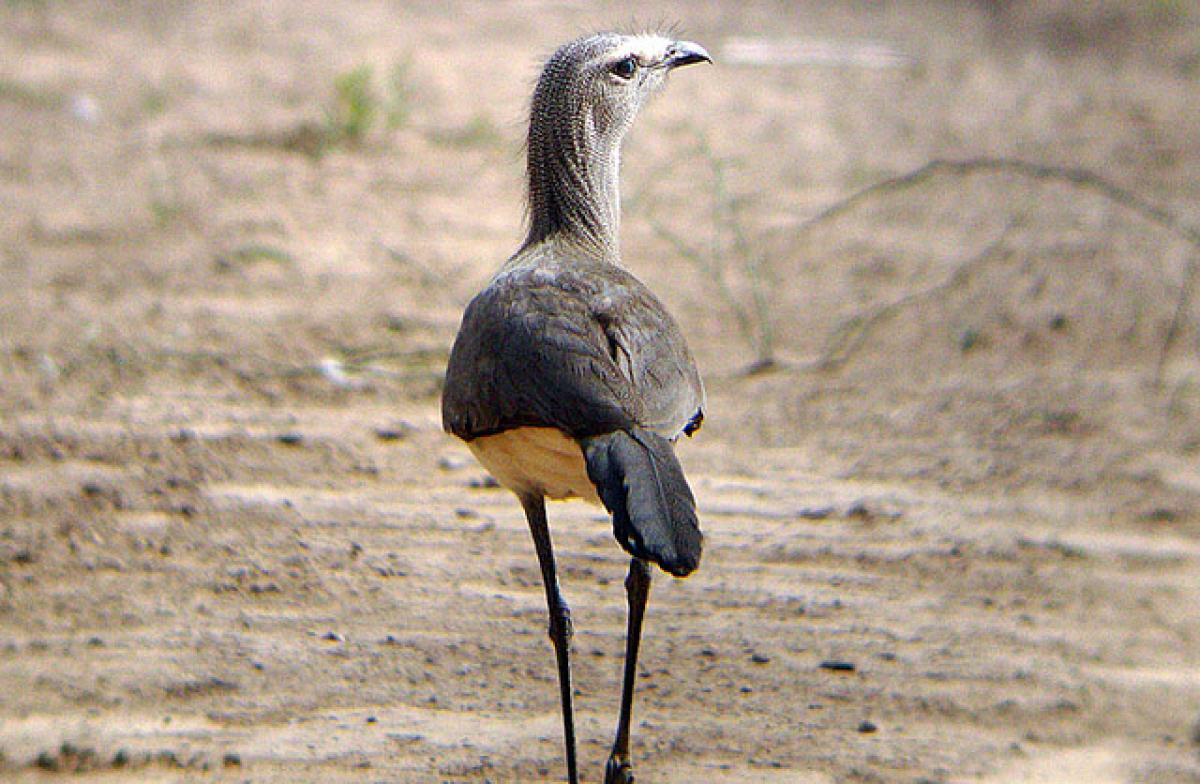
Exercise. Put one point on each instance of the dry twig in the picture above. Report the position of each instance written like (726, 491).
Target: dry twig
(1080, 177)
(852, 333)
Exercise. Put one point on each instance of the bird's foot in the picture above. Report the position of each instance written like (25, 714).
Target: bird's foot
(618, 770)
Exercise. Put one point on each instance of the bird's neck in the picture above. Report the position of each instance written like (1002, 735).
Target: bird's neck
(574, 187)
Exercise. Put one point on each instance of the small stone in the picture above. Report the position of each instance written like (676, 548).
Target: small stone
(290, 439)
(859, 511)
(231, 760)
(815, 512)
(1160, 514)
(85, 108)
(867, 726)
(333, 637)
(837, 665)
(759, 658)
(334, 371)
(393, 432)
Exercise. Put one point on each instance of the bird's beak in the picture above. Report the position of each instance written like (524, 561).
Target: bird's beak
(686, 53)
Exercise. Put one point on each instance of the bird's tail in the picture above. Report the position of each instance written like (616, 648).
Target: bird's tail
(642, 485)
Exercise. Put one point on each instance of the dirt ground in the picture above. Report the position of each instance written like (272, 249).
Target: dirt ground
(235, 544)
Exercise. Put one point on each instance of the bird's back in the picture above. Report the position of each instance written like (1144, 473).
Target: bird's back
(562, 341)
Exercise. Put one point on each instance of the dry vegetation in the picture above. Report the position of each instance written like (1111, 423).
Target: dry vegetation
(954, 437)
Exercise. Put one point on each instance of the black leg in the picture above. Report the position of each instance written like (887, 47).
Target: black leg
(560, 620)
(637, 587)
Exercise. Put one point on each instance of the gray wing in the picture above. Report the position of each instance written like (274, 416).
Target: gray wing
(588, 350)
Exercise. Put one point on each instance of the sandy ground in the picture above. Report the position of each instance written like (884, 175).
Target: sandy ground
(235, 544)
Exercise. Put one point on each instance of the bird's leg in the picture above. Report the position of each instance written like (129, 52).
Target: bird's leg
(637, 587)
(560, 620)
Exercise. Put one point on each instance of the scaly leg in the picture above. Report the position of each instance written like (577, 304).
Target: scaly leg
(560, 620)
(619, 769)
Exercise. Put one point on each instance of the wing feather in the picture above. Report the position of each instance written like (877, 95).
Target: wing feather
(584, 348)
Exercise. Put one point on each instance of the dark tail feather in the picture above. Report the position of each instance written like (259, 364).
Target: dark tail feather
(642, 485)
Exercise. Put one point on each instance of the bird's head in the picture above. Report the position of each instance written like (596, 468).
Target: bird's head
(586, 98)
(606, 78)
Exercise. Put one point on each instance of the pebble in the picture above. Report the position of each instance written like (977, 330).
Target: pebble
(334, 372)
(85, 108)
(867, 726)
(837, 665)
(859, 510)
(393, 432)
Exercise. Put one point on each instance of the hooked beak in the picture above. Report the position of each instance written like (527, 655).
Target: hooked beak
(686, 53)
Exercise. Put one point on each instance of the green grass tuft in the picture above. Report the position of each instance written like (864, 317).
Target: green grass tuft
(354, 109)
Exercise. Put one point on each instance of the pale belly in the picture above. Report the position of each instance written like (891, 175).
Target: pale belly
(538, 460)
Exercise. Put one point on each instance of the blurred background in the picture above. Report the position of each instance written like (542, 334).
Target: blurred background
(937, 261)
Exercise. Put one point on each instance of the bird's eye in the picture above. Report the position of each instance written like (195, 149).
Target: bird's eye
(625, 68)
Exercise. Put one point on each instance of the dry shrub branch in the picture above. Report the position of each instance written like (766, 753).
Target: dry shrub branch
(849, 335)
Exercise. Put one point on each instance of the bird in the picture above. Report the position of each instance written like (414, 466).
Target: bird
(568, 378)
